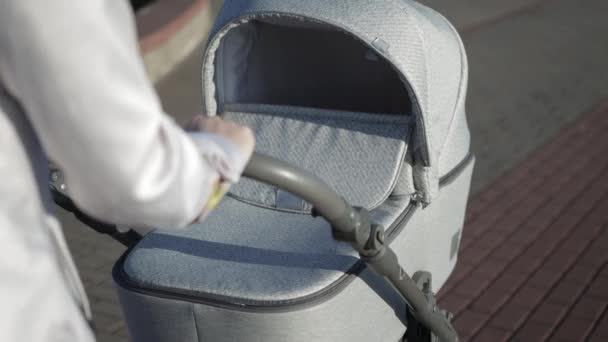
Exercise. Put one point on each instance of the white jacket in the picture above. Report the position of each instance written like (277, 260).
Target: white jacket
(73, 88)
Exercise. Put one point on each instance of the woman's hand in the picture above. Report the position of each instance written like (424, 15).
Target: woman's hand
(241, 136)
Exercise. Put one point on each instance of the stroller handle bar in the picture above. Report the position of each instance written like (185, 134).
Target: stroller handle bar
(353, 225)
(326, 202)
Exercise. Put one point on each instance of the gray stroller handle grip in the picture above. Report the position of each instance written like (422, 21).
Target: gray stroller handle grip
(326, 202)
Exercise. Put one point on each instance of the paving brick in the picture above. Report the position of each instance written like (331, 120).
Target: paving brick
(580, 273)
(482, 223)
(489, 240)
(465, 241)
(509, 282)
(469, 322)
(474, 208)
(595, 255)
(593, 338)
(489, 269)
(573, 329)
(560, 260)
(474, 254)
(510, 317)
(601, 329)
(460, 272)
(529, 297)
(508, 250)
(545, 215)
(544, 278)
(454, 303)
(471, 287)
(566, 293)
(580, 240)
(489, 195)
(513, 197)
(589, 308)
(517, 175)
(545, 246)
(604, 272)
(492, 334)
(490, 301)
(549, 313)
(526, 263)
(527, 207)
(591, 227)
(599, 216)
(527, 234)
(533, 331)
(598, 288)
(506, 225)
(557, 231)
(584, 205)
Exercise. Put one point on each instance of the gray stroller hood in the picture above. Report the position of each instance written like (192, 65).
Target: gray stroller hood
(369, 97)
(244, 62)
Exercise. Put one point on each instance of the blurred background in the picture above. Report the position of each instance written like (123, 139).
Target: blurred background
(532, 265)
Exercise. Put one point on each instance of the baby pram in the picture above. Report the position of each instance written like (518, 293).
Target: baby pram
(368, 97)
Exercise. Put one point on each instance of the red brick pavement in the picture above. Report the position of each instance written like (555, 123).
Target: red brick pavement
(534, 253)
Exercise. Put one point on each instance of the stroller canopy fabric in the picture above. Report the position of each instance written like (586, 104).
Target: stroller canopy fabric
(422, 49)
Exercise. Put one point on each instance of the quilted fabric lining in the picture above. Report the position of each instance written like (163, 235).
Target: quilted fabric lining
(359, 155)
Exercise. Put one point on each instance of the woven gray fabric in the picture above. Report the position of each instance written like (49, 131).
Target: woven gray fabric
(359, 155)
(256, 254)
(249, 252)
(351, 316)
(447, 76)
(422, 46)
(405, 182)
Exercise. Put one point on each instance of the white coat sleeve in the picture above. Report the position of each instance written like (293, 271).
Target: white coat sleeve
(76, 69)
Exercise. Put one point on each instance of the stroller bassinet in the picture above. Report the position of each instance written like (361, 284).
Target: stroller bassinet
(368, 96)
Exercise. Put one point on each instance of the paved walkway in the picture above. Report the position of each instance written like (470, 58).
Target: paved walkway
(533, 262)
(533, 72)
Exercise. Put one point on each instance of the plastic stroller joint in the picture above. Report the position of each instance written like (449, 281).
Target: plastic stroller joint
(429, 323)
(355, 228)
